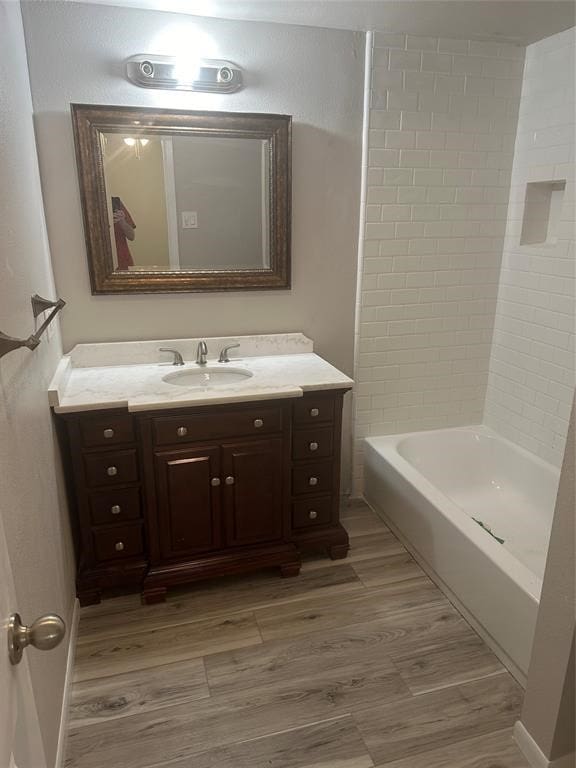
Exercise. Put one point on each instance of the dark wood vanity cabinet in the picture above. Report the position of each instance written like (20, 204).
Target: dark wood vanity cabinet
(163, 498)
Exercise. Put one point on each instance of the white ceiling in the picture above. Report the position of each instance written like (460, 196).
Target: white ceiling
(519, 21)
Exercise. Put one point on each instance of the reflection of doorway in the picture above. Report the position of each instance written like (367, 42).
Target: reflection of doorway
(170, 195)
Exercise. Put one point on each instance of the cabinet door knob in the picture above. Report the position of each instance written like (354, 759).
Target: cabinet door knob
(312, 514)
(314, 412)
(229, 480)
(182, 431)
(111, 471)
(313, 446)
(312, 481)
(108, 433)
(215, 482)
(116, 509)
(119, 546)
(258, 423)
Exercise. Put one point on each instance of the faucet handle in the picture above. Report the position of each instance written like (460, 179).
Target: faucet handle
(177, 356)
(224, 353)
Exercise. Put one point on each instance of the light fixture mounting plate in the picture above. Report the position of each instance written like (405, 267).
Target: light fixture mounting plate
(170, 72)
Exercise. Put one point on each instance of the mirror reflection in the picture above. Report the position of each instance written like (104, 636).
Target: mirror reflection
(187, 203)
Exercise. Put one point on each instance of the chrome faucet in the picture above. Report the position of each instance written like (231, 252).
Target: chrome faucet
(177, 356)
(224, 353)
(201, 353)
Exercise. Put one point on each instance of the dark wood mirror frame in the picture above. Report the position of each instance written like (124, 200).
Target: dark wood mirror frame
(90, 121)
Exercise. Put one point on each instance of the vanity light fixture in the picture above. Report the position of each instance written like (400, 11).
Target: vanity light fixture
(170, 72)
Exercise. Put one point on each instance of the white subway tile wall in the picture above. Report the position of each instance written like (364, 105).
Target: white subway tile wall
(443, 123)
(531, 381)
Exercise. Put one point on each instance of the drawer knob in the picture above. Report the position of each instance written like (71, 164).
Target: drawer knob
(119, 546)
(314, 412)
(182, 431)
(312, 514)
(108, 433)
(258, 423)
(111, 471)
(312, 481)
(116, 509)
(313, 446)
(229, 480)
(215, 482)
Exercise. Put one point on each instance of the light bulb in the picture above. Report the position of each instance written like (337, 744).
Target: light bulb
(130, 142)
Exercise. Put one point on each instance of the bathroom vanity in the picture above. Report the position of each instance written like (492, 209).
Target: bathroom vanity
(195, 476)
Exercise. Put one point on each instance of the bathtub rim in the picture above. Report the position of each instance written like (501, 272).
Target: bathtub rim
(386, 446)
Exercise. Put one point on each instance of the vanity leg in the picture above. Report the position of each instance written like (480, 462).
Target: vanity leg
(154, 595)
(338, 551)
(89, 597)
(288, 570)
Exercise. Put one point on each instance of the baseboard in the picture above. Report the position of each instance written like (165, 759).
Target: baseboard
(534, 754)
(63, 730)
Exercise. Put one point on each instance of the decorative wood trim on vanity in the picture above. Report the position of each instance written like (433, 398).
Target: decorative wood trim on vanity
(167, 497)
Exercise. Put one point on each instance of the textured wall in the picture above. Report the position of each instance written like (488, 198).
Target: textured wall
(442, 127)
(34, 516)
(532, 367)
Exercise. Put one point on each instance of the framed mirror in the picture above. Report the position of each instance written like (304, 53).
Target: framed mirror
(184, 201)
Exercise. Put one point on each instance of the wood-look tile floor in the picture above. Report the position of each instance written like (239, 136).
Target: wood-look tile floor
(357, 663)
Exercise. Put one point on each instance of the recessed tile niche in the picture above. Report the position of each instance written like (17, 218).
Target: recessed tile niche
(542, 208)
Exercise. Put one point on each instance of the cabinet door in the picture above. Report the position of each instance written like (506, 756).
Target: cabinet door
(188, 498)
(253, 493)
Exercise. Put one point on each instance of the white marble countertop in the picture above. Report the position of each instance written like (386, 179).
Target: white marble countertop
(130, 374)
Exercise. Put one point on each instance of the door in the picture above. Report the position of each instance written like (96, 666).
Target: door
(253, 497)
(187, 483)
(20, 738)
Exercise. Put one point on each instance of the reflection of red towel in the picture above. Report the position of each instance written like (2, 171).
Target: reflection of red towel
(123, 252)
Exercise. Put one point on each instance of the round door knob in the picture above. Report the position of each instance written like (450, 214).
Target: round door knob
(258, 423)
(312, 481)
(119, 546)
(108, 433)
(314, 412)
(215, 482)
(229, 481)
(182, 431)
(312, 514)
(111, 471)
(313, 446)
(45, 633)
(116, 509)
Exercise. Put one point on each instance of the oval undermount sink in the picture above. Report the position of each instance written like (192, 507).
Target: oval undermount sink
(207, 377)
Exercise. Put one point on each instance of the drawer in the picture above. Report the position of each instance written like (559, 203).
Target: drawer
(97, 431)
(307, 514)
(313, 478)
(111, 468)
(313, 443)
(312, 409)
(119, 541)
(170, 430)
(115, 506)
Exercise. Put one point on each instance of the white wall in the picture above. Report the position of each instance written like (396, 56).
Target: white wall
(548, 712)
(442, 127)
(531, 381)
(76, 54)
(34, 516)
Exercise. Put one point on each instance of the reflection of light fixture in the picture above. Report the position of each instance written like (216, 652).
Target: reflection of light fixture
(184, 73)
(137, 144)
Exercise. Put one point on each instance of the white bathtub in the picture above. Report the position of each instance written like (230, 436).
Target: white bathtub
(430, 485)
